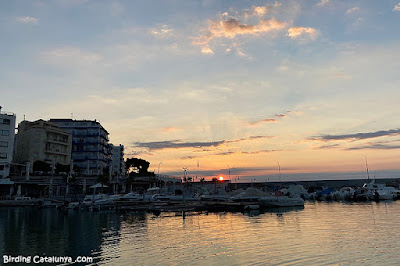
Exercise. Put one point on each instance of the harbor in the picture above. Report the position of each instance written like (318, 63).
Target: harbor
(186, 197)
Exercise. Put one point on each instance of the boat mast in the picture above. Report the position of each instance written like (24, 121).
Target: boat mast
(366, 164)
(280, 177)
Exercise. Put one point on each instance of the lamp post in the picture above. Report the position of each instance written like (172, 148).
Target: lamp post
(185, 169)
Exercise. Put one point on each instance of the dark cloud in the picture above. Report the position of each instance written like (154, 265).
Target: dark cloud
(358, 136)
(324, 147)
(375, 146)
(225, 153)
(173, 144)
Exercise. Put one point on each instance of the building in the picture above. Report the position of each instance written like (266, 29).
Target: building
(7, 133)
(118, 162)
(90, 148)
(42, 141)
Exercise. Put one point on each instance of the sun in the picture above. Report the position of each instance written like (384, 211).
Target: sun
(220, 178)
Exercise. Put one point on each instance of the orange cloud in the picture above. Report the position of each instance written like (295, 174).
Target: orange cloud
(231, 28)
(296, 32)
(268, 120)
(207, 50)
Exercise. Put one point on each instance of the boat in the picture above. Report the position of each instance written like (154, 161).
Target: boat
(344, 193)
(132, 196)
(374, 191)
(282, 201)
(89, 200)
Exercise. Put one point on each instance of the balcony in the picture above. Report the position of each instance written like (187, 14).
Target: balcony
(57, 142)
(56, 152)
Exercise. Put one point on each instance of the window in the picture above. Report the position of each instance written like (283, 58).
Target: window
(3, 155)
(1, 167)
(5, 132)
(3, 144)
(6, 121)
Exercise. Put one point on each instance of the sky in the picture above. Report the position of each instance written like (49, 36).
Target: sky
(217, 87)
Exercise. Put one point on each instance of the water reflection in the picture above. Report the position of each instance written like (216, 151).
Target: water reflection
(319, 233)
(30, 231)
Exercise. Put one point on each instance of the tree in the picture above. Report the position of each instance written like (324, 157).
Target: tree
(141, 165)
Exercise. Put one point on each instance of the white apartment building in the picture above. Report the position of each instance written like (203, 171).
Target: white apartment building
(7, 133)
(118, 162)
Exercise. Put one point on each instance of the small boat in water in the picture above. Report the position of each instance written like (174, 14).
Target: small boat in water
(344, 193)
(374, 191)
(132, 196)
(282, 201)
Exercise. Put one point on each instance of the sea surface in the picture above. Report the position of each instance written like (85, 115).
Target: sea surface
(321, 233)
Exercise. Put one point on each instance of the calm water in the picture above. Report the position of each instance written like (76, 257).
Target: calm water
(319, 234)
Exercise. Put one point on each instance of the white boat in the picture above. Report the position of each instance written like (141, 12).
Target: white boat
(172, 197)
(150, 193)
(133, 196)
(344, 193)
(282, 201)
(375, 191)
(89, 200)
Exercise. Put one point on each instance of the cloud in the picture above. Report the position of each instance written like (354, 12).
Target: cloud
(27, 20)
(351, 10)
(225, 153)
(323, 3)
(396, 7)
(207, 50)
(268, 120)
(162, 31)
(173, 144)
(359, 136)
(280, 115)
(231, 28)
(260, 11)
(324, 147)
(297, 32)
(375, 147)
